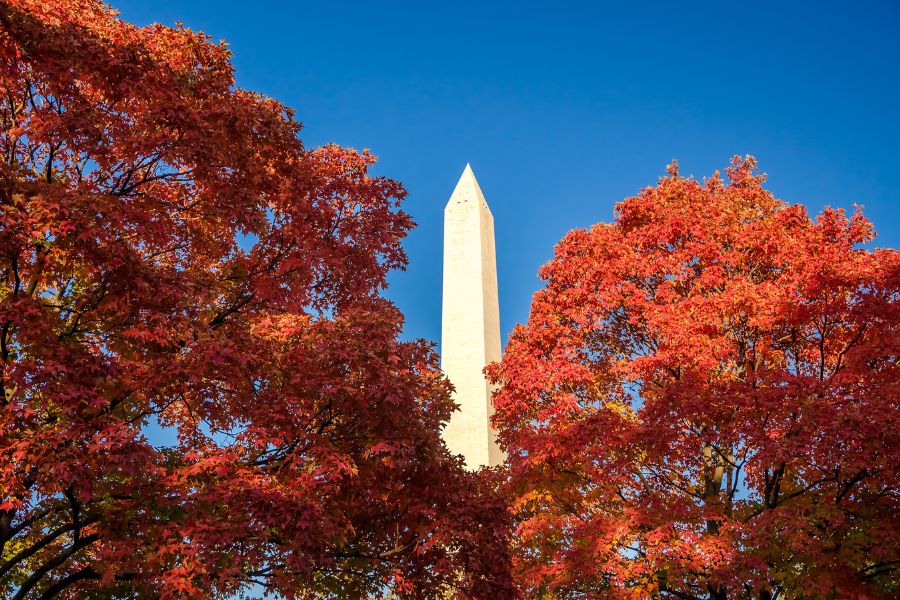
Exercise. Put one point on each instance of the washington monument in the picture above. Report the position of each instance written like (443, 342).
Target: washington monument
(470, 328)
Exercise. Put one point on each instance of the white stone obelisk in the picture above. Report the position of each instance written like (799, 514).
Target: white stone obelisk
(470, 329)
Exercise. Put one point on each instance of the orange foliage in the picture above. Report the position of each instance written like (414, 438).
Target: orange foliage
(704, 403)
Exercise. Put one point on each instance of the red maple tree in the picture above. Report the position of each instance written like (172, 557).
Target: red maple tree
(705, 404)
(171, 253)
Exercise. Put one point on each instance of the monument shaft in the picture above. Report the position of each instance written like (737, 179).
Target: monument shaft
(470, 332)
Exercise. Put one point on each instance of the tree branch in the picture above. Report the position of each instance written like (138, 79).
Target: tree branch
(52, 564)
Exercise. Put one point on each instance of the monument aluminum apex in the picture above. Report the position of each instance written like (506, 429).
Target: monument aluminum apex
(470, 326)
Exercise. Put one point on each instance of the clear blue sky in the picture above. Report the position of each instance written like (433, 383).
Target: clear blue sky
(565, 108)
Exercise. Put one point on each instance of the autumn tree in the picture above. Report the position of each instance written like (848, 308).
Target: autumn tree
(173, 258)
(705, 404)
